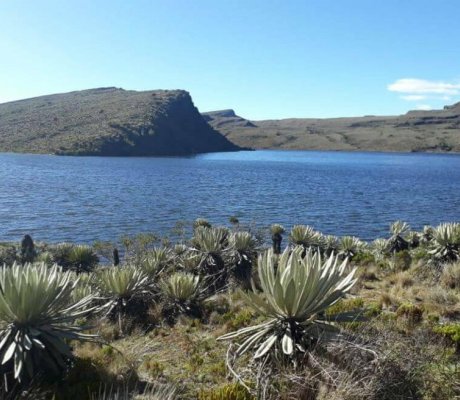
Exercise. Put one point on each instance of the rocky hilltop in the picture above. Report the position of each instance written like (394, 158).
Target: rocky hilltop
(111, 122)
(435, 131)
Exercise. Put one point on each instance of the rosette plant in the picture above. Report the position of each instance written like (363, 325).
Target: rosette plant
(379, 248)
(241, 253)
(296, 292)
(397, 242)
(79, 258)
(127, 290)
(277, 231)
(427, 234)
(445, 245)
(156, 261)
(349, 246)
(330, 244)
(37, 318)
(183, 293)
(304, 235)
(210, 244)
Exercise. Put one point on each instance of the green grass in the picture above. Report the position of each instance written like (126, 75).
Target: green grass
(406, 346)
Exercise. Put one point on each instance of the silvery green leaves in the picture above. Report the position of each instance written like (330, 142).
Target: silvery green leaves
(181, 287)
(242, 242)
(306, 236)
(296, 290)
(397, 242)
(121, 284)
(379, 248)
(349, 246)
(277, 229)
(37, 312)
(122, 288)
(156, 260)
(445, 245)
(399, 228)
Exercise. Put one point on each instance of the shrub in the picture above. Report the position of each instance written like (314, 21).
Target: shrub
(450, 276)
(201, 222)
(136, 246)
(7, 255)
(45, 257)
(401, 261)
(364, 258)
(420, 254)
(451, 332)
(234, 220)
(237, 320)
(154, 368)
(295, 294)
(79, 258)
(37, 312)
(411, 312)
(232, 391)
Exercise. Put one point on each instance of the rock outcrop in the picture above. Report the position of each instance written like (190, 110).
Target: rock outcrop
(110, 122)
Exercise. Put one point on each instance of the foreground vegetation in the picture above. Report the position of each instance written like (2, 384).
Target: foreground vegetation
(220, 316)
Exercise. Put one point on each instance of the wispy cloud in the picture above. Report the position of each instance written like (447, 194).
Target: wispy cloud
(413, 97)
(411, 87)
(424, 107)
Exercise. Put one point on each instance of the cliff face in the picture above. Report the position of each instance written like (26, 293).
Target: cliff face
(109, 121)
(434, 131)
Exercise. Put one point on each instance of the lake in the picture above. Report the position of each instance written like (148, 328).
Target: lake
(83, 199)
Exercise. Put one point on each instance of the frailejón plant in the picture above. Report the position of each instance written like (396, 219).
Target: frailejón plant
(37, 312)
(296, 290)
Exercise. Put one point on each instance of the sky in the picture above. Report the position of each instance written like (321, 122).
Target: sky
(265, 59)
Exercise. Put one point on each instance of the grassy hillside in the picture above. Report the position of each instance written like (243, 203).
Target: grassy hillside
(436, 131)
(108, 121)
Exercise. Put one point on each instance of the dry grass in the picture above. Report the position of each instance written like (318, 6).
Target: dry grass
(450, 276)
(393, 354)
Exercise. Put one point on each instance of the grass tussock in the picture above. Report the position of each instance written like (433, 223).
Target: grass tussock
(220, 316)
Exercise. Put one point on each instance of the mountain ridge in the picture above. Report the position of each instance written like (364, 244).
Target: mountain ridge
(415, 131)
(109, 121)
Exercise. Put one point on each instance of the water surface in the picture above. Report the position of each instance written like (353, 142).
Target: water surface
(84, 199)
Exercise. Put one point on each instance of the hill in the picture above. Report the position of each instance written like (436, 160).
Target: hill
(109, 121)
(435, 131)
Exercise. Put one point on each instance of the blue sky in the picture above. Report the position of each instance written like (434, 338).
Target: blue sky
(265, 59)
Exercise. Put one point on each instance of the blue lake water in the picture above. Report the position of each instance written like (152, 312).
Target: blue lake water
(83, 199)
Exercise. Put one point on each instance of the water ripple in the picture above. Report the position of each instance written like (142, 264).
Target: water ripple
(86, 199)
